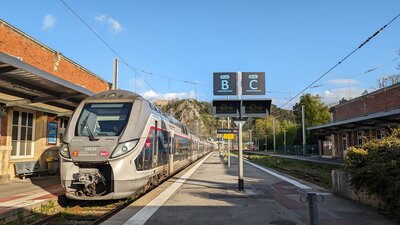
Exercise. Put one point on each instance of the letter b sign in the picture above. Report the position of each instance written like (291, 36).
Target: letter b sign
(225, 83)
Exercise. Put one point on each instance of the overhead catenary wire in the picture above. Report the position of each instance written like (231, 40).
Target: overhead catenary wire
(372, 69)
(122, 59)
(104, 42)
(342, 60)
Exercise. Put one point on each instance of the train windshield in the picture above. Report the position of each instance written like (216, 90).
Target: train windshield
(103, 119)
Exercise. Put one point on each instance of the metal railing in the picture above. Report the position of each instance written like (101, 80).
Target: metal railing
(297, 150)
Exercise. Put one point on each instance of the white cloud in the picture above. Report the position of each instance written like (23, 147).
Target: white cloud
(343, 81)
(113, 24)
(152, 95)
(333, 96)
(49, 22)
(101, 18)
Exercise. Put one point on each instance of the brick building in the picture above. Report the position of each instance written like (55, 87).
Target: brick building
(39, 89)
(356, 121)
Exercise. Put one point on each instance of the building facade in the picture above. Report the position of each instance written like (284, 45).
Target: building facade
(354, 122)
(39, 89)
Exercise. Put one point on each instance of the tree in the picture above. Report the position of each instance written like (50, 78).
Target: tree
(316, 112)
(388, 80)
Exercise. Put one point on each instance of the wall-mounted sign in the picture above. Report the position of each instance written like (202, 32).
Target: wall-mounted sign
(253, 83)
(225, 83)
(52, 133)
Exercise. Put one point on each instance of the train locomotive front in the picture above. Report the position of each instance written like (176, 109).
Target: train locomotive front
(98, 149)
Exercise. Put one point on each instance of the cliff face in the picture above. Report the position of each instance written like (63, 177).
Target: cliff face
(197, 116)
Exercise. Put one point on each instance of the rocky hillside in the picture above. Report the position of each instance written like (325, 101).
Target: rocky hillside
(197, 116)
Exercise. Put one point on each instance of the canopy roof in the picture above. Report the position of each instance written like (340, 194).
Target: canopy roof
(27, 86)
(370, 121)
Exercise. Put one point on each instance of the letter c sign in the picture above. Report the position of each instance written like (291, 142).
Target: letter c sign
(252, 83)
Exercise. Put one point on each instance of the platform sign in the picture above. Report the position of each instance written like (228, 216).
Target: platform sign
(226, 108)
(229, 136)
(225, 83)
(256, 108)
(253, 83)
(227, 131)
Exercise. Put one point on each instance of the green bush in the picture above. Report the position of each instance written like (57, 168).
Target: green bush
(375, 168)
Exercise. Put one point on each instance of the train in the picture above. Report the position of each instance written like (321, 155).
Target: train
(117, 143)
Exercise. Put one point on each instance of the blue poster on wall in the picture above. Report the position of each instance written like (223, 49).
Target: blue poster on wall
(52, 133)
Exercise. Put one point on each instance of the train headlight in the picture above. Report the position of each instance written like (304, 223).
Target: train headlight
(124, 148)
(64, 151)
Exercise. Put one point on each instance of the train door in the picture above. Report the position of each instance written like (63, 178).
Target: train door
(154, 151)
(163, 147)
(171, 152)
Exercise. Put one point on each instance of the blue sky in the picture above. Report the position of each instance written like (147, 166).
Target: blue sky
(293, 42)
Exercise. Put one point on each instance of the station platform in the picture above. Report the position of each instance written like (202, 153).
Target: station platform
(313, 158)
(206, 193)
(20, 196)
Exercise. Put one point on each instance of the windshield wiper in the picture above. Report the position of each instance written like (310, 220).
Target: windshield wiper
(86, 125)
(91, 136)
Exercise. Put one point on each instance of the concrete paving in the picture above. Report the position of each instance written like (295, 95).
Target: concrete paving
(209, 196)
(20, 196)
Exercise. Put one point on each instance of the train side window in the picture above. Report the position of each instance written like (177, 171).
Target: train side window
(166, 139)
(162, 149)
(177, 149)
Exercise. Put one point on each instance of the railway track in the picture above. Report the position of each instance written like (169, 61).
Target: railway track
(81, 212)
(81, 215)
(291, 171)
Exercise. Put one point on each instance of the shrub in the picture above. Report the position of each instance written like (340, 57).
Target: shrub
(375, 168)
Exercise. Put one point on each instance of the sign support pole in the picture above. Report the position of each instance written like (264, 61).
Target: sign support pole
(229, 144)
(273, 130)
(240, 124)
(304, 131)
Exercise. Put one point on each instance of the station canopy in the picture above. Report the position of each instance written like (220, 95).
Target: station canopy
(389, 118)
(26, 86)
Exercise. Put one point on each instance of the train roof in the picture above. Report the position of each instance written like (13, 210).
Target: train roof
(113, 94)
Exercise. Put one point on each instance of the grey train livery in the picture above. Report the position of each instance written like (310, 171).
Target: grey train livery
(117, 143)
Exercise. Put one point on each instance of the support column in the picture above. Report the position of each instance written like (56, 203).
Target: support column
(5, 149)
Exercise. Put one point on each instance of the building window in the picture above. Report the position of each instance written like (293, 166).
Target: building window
(360, 138)
(344, 141)
(380, 134)
(22, 134)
